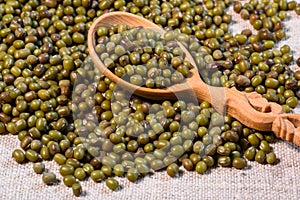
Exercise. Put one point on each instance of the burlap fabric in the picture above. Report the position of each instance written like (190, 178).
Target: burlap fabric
(281, 181)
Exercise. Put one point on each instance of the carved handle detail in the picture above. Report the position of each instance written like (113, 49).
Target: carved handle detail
(287, 127)
(261, 104)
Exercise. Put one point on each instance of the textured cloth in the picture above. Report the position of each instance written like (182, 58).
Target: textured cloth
(280, 181)
(257, 181)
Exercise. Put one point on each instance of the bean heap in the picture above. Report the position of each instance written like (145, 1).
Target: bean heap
(136, 136)
(61, 108)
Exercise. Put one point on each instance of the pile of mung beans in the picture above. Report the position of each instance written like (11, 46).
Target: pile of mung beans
(62, 108)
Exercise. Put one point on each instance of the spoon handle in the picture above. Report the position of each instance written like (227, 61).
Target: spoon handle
(253, 110)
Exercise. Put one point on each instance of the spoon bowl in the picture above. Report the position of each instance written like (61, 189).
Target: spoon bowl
(108, 20)
(249, 108)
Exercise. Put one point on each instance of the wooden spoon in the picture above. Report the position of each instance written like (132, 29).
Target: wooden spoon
(249, 108)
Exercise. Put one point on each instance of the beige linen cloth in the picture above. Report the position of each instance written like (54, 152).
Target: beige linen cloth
(281, 181)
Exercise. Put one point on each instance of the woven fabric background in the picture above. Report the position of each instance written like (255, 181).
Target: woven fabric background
(281, 181)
